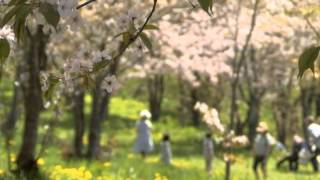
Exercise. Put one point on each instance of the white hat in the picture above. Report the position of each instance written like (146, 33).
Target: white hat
(145, 113)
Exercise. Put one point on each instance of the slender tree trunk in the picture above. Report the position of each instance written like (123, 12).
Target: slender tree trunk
(13, 115)
(306, 99)
(253, 115)
(195, 115)
(182, 110)
(99, 112)
(34, 57)
(281, 118)
(155, 90)
(228, 170)
(234, 106)
(79, 121)
(239, 128)
(317, 100)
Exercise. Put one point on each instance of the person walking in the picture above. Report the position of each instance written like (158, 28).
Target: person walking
(293, 157)
(166, 153)
(313, 130)
(208, 151)
(144, 142)
(261, 149)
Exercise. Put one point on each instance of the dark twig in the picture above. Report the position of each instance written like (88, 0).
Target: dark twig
(85, 4)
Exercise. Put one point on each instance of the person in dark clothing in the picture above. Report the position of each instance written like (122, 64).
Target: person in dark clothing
(314, 141)
(293, 157)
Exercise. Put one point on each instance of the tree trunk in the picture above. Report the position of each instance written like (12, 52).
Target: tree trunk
(78, 113)
(99, 112)
(195, 115)
(239, 128)
(253, 115)
(317, 99)
(13, 115)
(155, 90)
(228, 170)
(34, 57)
(306, 99)
(234, 106)
(182, 109)
(281, 118)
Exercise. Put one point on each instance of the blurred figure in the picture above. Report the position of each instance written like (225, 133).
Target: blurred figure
(261, 149)
(314, 141)
(166, 153)
(144, 142)
(293, 157)
(208, 151)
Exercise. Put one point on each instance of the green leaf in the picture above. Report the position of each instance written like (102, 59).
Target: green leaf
(151, 27)
(20, 20)
(307, 59)
(9, 15)
(206, 5)
(88, 82)
(13, 2)
(50, 13)
(4, 53)
(146, 41)
(4, 50)
(53, 81)
(126, 37)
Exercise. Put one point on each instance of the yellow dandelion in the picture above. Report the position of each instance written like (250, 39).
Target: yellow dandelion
(40, 162)
(1, 172)
(87, 175)
(107, 164)
(82, 169)
(85, 141)
(13, 157)
(130, 156)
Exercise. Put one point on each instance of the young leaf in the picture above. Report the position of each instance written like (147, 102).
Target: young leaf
(206, 5)
(151, 27)
(13, 2)
(53, 81)
(307, 59)
(20, 20)
(50, 13)
(4, 50)
(8, 16)
(146, 41)
(126, 37)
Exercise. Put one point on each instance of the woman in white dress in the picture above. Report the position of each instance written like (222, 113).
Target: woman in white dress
(144, 142)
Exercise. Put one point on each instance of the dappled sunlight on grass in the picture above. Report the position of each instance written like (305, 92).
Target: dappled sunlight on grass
(187, 162)
(126, 108)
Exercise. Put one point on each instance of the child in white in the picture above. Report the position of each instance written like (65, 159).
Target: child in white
(208, 151)
(166, 153)
(144, 142)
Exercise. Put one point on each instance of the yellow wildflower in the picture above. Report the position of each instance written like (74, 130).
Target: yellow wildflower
(130, 156)
(40, 162)
(1, 172)
(107, 164)
(13, 158)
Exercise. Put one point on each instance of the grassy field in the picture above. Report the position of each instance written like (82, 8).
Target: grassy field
(118, 135)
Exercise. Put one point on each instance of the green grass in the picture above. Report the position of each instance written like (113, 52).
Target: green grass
(188, 162)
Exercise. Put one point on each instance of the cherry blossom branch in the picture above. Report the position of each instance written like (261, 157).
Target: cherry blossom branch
(131, 40)
(248, 38)
(306, 17)
(312, 27)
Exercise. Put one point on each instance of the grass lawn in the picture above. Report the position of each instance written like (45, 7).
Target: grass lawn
(123, 164)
